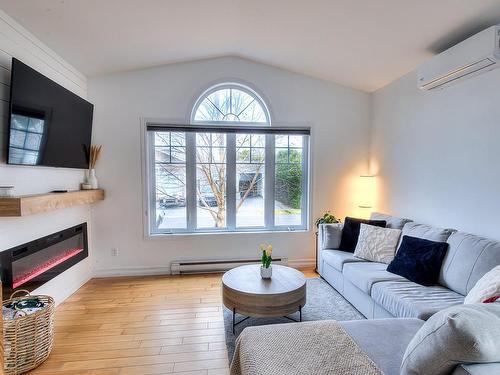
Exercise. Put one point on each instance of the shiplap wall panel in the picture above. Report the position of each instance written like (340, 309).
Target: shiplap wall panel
(30, 44)
(16, 41)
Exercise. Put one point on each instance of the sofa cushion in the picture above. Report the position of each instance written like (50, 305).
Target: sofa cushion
(393, 222)
(331, 234)
(377, 244)
(406, 299)
(383, 340)
(364, 275)
(350, 232)
(425, 231)
(478, 369)
(419, 260)
(337, 258)
(469, 257)
(460, 334)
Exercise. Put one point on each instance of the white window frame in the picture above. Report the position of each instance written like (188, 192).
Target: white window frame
(191, 208)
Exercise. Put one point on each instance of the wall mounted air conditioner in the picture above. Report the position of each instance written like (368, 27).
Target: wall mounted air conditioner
(476, 55)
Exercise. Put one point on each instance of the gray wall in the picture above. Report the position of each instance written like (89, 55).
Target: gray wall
(339, 120)
(437, 155)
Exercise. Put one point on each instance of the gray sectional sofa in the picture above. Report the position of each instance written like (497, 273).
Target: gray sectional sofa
(377, 293)
(461, 340)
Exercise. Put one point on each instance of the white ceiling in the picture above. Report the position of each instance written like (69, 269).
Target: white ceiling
(363, 44)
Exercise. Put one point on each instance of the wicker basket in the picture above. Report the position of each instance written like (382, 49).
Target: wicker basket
(28, 339)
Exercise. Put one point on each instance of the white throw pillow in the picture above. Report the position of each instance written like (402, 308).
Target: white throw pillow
(486, 287)
(377, 244)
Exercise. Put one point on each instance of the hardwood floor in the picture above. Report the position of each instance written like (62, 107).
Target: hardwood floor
(141, 326)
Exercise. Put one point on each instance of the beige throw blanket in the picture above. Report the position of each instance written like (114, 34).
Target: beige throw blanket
(312, 348)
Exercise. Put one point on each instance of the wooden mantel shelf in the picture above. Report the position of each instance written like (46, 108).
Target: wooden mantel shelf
(33, 204)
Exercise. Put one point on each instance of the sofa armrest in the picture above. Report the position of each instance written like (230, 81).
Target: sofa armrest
(478, 369)
(328, 238)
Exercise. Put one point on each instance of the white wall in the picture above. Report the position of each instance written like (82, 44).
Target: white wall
(339, 118)
(437, 153)
(15, 41)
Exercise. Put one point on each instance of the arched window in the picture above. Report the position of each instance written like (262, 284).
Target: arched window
(230, 103)
(228, 170)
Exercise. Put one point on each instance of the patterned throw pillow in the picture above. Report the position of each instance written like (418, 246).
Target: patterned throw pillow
(377, 244)
(486, 288)
(350, 232)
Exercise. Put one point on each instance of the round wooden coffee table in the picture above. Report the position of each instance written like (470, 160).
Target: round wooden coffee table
(245, 292)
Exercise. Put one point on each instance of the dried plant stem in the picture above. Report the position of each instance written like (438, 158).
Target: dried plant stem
(95, 153)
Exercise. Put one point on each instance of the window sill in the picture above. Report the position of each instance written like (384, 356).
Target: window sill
(158, 236)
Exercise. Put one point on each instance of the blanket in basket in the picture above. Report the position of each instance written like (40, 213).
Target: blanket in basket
(313, 348)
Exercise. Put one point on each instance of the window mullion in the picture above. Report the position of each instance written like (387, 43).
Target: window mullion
(269, 182)
(152, 182)
(191, 181)
(231, 181)
(305, 183)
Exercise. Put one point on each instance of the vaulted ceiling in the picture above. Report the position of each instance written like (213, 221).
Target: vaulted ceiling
(364, 44)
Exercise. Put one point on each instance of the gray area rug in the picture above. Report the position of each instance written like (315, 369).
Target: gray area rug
(323, 303)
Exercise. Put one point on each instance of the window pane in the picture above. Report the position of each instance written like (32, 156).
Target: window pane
(218, 155)
(178, 139)
(178, 154)
(162, 138)
(170, 196)
(33, 141)
(250, 169)
(19, 122)
(258, 155)
(170, 182)
(17, 138)
(211, 180)
(281, 141)
(258, 140)
(295, 141)
(242, 140)
(288, 182)
(253, 113)
(35, 125)
(242, 154)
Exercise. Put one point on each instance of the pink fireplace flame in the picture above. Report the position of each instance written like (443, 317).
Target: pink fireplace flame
(61, 258)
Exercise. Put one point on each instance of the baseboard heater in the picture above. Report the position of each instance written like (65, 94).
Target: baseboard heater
(209, 266)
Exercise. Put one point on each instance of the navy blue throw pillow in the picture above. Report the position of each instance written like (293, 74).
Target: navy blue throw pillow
(350, 232)
(419, 260)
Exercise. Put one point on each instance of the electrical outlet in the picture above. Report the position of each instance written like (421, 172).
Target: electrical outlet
(114, 252)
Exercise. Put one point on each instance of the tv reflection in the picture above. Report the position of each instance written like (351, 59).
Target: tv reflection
(27, 130)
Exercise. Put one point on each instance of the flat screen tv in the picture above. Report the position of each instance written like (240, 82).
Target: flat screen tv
(48, 124)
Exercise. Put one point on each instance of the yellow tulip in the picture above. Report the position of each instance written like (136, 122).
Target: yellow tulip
(269, 250)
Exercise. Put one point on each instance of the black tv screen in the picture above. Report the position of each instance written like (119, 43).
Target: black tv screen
(48, 124)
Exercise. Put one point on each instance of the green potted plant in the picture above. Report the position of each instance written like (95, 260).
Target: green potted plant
(266, 270)
(327, 218)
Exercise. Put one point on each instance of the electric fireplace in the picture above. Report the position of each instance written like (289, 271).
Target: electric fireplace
(32, 264)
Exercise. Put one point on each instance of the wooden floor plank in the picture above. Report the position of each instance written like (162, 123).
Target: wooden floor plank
(141, 326)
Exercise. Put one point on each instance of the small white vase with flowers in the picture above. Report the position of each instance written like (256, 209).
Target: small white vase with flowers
(266, 270)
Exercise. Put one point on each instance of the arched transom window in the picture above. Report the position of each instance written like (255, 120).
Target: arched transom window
(230, 103)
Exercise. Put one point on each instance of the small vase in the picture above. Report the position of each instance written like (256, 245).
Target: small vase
(266, 273)
(92, 179)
